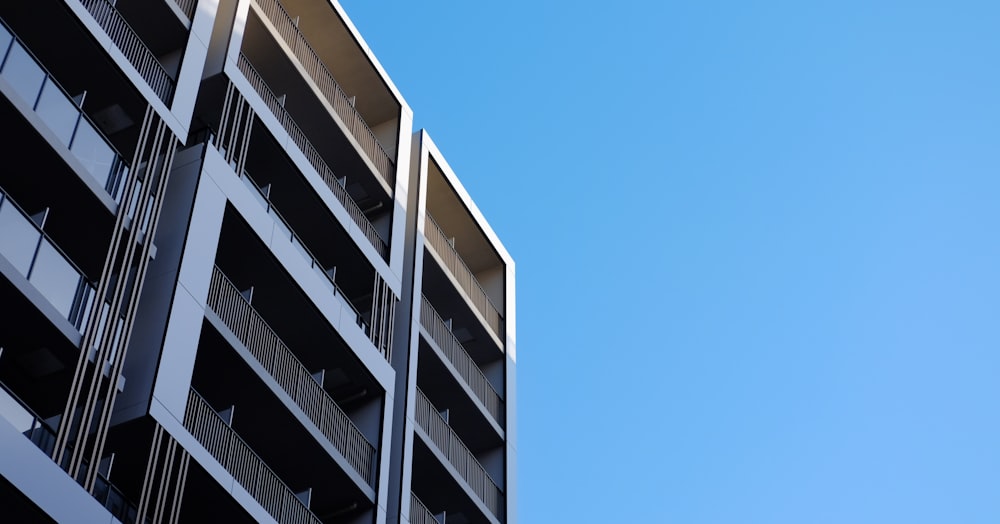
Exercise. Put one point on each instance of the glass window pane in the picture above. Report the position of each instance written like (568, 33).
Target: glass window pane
(96, 155)
(55, 278)
(57, 111)
(20, 237)
(24, 74)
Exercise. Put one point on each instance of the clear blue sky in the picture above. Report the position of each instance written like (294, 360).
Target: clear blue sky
(758, 247)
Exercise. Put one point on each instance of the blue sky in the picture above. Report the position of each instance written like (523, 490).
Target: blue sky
(758, 247)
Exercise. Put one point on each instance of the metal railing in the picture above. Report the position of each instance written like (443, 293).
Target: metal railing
(473, 289)
(419, 514)
(289, 31)
(132, 47)
(60, 111)
(233, 453)
(314, 262)
(313, 156)
(460, 359)
(279, 361)
(461, 458)
(187, 7)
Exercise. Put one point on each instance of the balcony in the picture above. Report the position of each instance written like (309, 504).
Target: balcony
(313, 156)
(246, 467)
(445, 250)
(329, 281)
(31, 425)
(466, 367)
(33, 255)
(130, 45)
(89, 66)
(343, 106)
(61, 113)
(294, 378)
(463, 461)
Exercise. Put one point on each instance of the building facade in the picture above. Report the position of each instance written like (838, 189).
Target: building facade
(237, 286)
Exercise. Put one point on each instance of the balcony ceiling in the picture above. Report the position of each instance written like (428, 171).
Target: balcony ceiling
(155, 23)
(454, 218)
(345, 58)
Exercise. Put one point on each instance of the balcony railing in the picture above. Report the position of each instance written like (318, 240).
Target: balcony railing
(459, 357)
(187, 7)
(71, 126)
(289, 31)
(132, 47)
(279, 361)
(314, 263)
(233, 453)
(312, 156)
(419, 514)
(43, 264)
(473, 289)
(459, 456)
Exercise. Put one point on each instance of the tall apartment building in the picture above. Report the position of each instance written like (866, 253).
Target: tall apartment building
(236, 286)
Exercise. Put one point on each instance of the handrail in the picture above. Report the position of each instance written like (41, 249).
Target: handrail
(119, 165)
(286, 369)
(474, 290)
(129, 43)
(313, 156)
(246, 467)
(448, 442)
(460, 359)
(419, 514)
(313, 261)
(289, 31)
(187, 7)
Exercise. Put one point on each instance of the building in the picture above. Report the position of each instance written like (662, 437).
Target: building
(236, 286)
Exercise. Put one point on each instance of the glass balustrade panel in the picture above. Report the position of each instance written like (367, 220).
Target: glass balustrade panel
(55, 278)
(95, 154)
(57, 111)
(20, 238)
(23, 74)
(324, 277)
(5, 39)
(14, 412)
